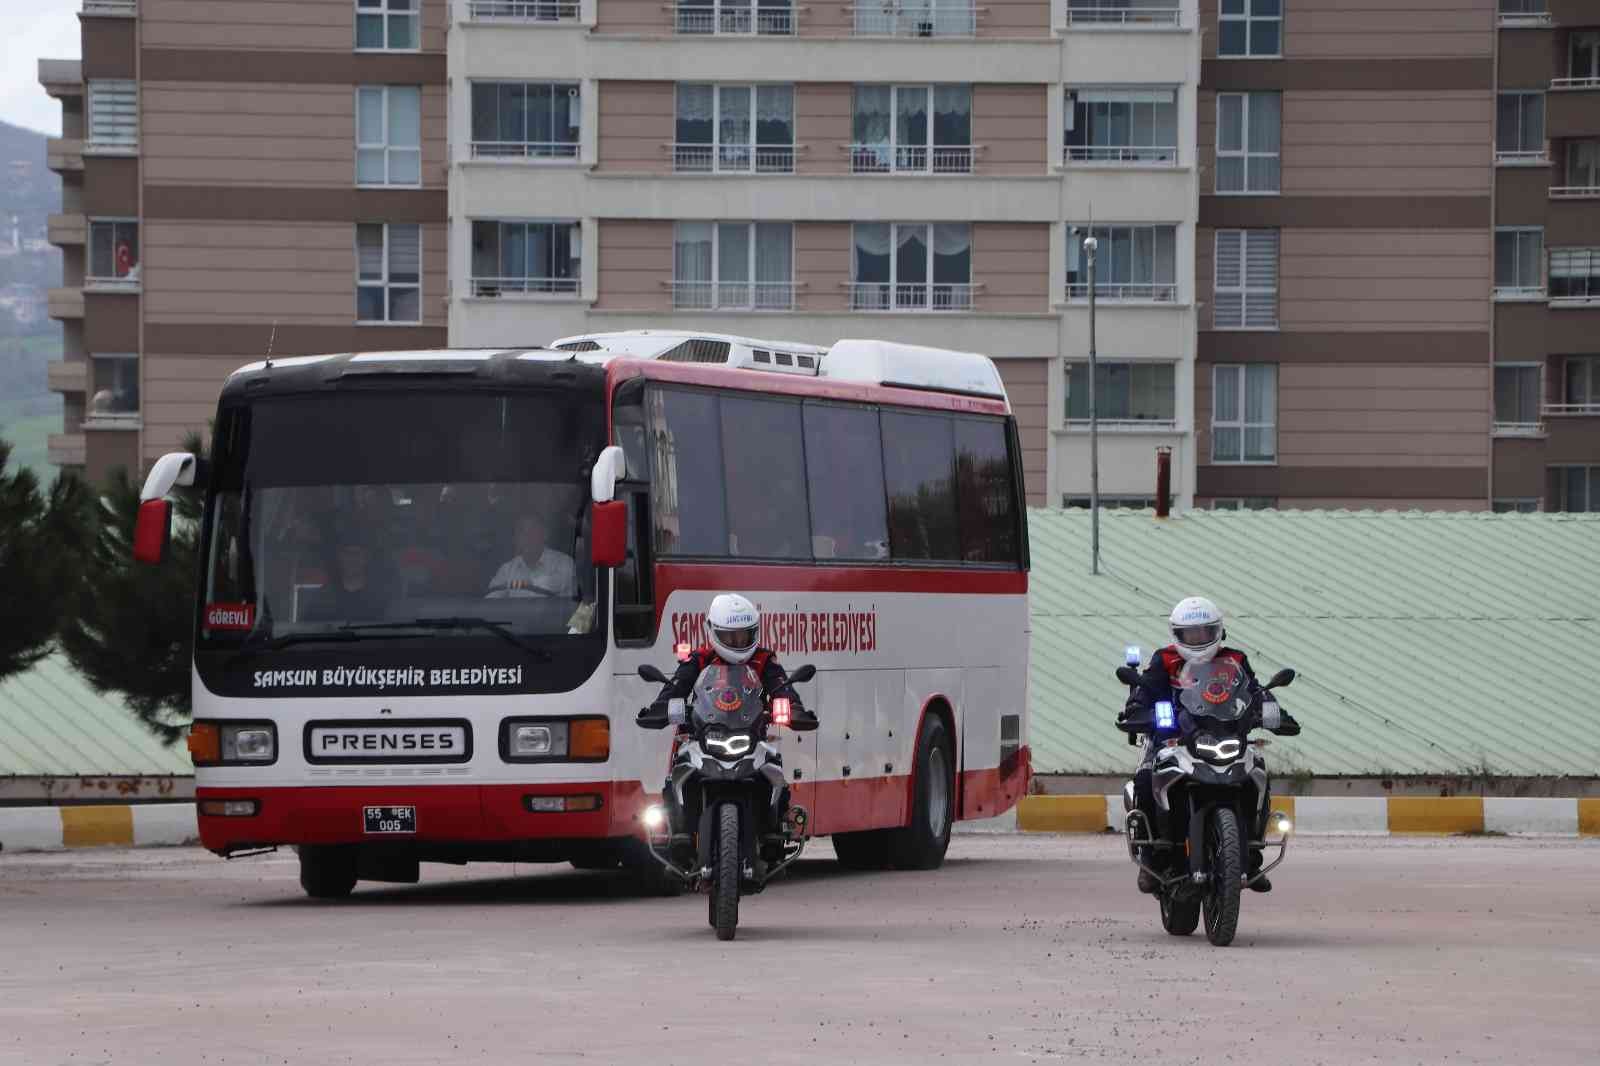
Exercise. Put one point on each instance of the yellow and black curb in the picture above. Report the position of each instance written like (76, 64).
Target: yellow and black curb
(119, 825)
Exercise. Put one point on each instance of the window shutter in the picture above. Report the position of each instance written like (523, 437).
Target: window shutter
(1261, 278)
(369, 251)
(114, 113)
(1229, 310)
(405, 253)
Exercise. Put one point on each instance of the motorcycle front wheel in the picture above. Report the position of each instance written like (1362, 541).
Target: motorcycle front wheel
(725, 883)
(1227, 874)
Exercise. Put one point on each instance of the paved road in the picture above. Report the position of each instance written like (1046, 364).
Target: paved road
(1022, 949)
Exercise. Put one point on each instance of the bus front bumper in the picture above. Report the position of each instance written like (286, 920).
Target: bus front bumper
(447, 817)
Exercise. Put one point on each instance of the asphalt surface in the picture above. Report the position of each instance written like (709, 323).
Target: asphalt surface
(1022, 949)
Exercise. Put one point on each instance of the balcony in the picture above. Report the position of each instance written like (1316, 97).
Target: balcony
(111, 8)
(1571, 410)
(1518, 429)
(61, 77)
(1519, 294)
(1574, 192)
(1532, 157)
(66, 449)
(525, 150)
(703, 158)
(927, 18)
(1558, 85)
(492, 288)
(64, 155)
(61, 375)
(1143, 293)
(733, 295)
(701, 17)
(910, 159)
(524, 11)
(1088, 155)
(911, 296)
(66, 231)
(65, 303)
(1122, 14)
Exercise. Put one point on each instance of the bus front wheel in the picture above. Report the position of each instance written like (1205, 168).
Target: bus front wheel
(327, 872)
(922, 844)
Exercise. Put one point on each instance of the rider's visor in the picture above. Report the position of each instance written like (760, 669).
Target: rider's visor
(736, 639)
(1198, 636)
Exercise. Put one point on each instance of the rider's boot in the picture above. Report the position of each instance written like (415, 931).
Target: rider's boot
(1148, 884)
(1260, 884)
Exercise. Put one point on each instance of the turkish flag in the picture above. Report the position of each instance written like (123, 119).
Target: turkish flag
(124, 258)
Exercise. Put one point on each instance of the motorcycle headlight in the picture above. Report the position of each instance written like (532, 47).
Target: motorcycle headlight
(1218, 749)
(728, 745)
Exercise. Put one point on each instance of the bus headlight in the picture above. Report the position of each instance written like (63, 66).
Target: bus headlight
(224, 743)
(248, 744)
(546, 739)
(555, 739)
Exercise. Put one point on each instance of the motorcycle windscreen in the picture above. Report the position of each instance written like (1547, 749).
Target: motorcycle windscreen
(727, 696)
(1219, 689)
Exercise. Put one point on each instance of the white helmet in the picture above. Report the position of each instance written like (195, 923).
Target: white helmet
(732, 626)
(1197, 630)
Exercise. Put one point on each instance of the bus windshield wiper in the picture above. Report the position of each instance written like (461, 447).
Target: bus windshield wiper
(256, 645)
(488, 625)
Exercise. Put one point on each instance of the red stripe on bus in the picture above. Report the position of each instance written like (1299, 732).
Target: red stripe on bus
(621, 369)
(724, 577)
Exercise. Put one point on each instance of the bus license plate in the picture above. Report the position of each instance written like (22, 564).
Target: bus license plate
(391, 819)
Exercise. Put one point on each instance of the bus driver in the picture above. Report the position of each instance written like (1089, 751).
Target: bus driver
(537, 569)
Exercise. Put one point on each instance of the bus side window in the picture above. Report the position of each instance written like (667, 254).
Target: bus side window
(919, 469)
(635, 614)
(844, 472)
(985, 494)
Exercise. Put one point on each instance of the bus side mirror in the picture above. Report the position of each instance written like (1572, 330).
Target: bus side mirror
(151, 531)
(609, 468)
(608, 534)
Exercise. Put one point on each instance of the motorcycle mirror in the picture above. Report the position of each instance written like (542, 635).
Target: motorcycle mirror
(1127, 675)
(802, 675)
(1282, 679)
(650, 673)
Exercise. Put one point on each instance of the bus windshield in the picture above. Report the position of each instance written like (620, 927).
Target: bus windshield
(386, 513)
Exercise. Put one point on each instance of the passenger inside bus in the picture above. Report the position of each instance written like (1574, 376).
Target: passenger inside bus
(536, 569)
(359, 591)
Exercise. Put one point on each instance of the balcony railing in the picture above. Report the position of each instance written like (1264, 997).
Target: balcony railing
(733, 159)
(910, 159)
(709, 18)
(1519, 292)
(1146, 293)
(523, 286)
(522, 10)
(61, 375)
(1530, 157)
(930, 18)
(128, 282)
(63, 154)
(110, 7)
(1079, 153)
(1518, 429)
(1560, 84)
(1121, 13)
(733, 295)
(910, 296)
(524, 149)
(1124, 425)
(1566, 410)
(1574, 192)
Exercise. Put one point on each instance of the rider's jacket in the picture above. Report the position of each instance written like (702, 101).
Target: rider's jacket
(774, 682)
(1159, 679)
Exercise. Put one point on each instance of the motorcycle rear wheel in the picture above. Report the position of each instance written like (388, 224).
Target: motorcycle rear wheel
(725, 887)
(1179, 917)
(1227, 875)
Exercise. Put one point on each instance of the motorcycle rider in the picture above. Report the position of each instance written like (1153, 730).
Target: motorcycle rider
(732, 627)
(1197, 632)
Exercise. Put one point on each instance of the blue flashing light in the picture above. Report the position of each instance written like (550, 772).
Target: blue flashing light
(1131, 655)
(1164, 715)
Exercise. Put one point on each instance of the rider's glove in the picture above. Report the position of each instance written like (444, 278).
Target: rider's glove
(653, 716)
(803, 720)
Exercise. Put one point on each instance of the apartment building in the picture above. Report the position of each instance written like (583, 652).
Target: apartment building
(239, 178)
(1547, 257)
(908, 170)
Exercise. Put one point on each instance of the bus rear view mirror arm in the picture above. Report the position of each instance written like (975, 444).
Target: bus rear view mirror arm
(609, 468)
(173, 470)
(152, 530)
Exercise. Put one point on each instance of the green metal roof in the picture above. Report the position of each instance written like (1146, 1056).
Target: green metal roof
(1422, 640)
(53, 724)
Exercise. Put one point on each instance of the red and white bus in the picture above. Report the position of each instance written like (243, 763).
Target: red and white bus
(428, 579)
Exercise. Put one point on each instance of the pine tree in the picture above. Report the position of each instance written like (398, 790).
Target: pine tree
(132, 630)
(43, 539)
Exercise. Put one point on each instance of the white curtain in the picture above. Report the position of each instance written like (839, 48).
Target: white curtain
(694, 114)
(872, 252)
(734, 117)
(733, 252)
(871, 120)
(775, 114)
(910, 254)
(774, 252)
(952, 253)
(691, 252)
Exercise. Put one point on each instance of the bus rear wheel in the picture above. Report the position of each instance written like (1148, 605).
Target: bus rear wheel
(327, 872)
(922, 844)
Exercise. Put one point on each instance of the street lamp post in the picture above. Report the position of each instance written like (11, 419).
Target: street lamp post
(1090, 245)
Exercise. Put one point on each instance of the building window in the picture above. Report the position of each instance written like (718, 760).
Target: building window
(1516, 505)
(1520, 133)
(389, 135)
(912, 128)
(1518, 263)
(725, 266)
(114, 391)
(1246, 294)
(916, 18)
(735, 16)
(387, 25)
(113, 116)
(1583, 59)
(911, 266)
(1140, 394)
(1577, 489)
(1131, 263)
(1244, 414)
(1121, 125)
(1517, 394)
(1122, 12)
(1583, 170)
(1110, 503)
(1252, 28)
(1245, 503)
(1249, 131)
(388, 273)
(1582, 384)
(526, 257)
(735, 128)
(1575, 274)
(1513, 12)
(525, 120)
(113, 252)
